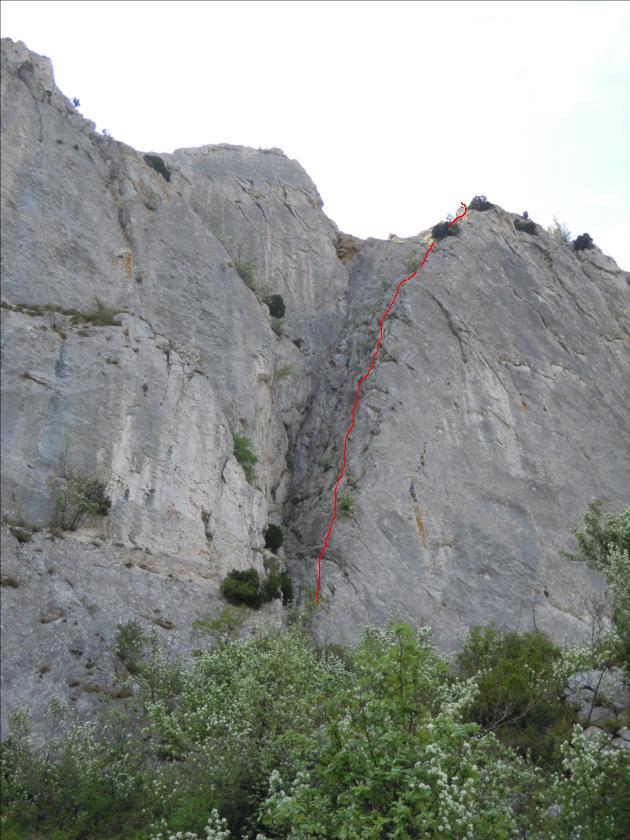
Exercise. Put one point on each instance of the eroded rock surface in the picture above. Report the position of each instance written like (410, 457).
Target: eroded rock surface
(497, 409)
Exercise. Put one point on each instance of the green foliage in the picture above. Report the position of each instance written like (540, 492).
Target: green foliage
(277, 326)
(346, 503)
(590, 791)
(284, 372)
(411, 261)
(245, 269)
(99, 315)
(559, 231)
(77, 495)
(157, 163)
(244, 454)
(276, 305)
(270, 589)
(604, 544)
(526, 226)
(270, 738)
(225, 627)
(274, 537)
(583, 242)
(598, 536)
(519, 688)
(245, 587)
(242, 587)
(480, 203)
(129, 645)
(442, 230)
(286, 588)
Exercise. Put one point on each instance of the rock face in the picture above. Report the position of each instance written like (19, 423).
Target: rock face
(496, 411)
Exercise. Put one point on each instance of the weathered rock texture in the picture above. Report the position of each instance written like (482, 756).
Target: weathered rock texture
(498, 407)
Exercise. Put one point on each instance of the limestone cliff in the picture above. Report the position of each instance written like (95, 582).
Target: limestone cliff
(498, 407)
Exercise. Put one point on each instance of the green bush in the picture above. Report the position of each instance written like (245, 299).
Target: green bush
(346, 503)
(583, 242)
(22, 524)
(480, 203)
(526, 226)
(411, 261)
(604, 544)
(519, 692)
(156, 163)
(270, 589)
(559, 231)
(244, 454)
(99, 315)
(245, 269)
(442, 230)
(276, 305)
(242, 587)
(77, 495)
(274, 537)
(286, 587)
(285, 741)
(129, 645)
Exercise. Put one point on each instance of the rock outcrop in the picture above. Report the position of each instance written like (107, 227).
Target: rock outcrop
(497, 409)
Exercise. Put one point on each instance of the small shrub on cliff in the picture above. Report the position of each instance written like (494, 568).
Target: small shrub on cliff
(286, 587)
(559, 231)
(99, 314)
(157, 164)
(346, 503)
(244, 454)
(77, 495)
(245, 269)
(442, 230)
(242, 587)
(583, 242)
(129, 645)
(480, 203)
(270, 589)
(276, 305)
(526, 226)
(274, 537)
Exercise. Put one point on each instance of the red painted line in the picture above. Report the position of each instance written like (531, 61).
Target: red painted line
(356, 403)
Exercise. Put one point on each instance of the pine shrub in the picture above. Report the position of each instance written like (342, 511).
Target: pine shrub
(244, 454)
(276, 305)
(480, 203)
(242, 587)
(273, 537)
(583, 242)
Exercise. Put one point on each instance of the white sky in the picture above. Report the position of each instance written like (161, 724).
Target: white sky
(397, 110)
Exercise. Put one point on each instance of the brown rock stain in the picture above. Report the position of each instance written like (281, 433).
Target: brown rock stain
(128, 264)
(422, 528)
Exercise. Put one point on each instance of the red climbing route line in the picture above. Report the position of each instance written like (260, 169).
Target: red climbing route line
(356, 403)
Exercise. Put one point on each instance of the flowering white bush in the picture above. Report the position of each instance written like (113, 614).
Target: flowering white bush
(272, 737)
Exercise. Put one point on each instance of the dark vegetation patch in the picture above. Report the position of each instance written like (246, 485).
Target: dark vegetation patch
(156, 163)
(525, 225)
(442, 230)
(480, 203)
(583, 242)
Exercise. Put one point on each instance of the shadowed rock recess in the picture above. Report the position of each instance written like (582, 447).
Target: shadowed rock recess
(497, 410)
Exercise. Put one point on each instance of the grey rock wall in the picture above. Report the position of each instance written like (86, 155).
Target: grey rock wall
(496, 411)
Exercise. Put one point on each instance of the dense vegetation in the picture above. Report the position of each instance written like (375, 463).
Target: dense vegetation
(274, 737)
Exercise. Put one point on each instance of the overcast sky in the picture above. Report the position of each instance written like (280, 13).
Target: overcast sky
(398, 111)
